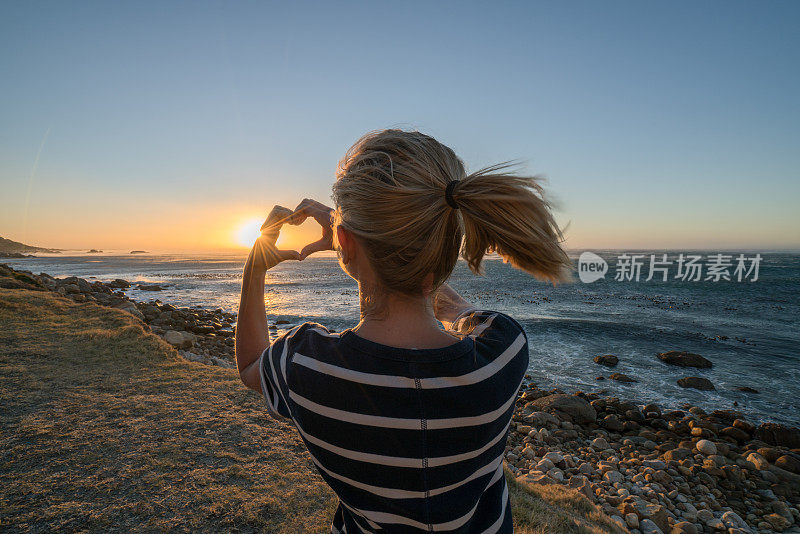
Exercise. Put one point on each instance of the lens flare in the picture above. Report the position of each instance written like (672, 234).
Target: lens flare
(248, 232)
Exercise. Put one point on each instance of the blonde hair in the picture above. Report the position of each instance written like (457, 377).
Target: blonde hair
(390, 193)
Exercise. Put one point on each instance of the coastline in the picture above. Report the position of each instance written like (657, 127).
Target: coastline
(676, 471)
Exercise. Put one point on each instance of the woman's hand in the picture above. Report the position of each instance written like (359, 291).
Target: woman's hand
(448, 304)
(324, 216)
(264, 254)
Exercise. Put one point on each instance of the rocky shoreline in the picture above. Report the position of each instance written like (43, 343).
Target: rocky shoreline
(652, 470)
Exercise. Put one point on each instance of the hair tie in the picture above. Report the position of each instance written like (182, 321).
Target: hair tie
(448, 194)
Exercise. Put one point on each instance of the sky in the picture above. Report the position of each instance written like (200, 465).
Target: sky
(174, 125)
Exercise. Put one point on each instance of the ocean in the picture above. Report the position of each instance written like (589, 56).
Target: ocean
(748, 329)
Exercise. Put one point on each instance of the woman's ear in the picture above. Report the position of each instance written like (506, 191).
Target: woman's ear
(345, 241)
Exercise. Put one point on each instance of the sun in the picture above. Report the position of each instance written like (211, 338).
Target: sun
(248, 232)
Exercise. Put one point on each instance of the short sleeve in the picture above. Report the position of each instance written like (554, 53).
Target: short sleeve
(275, 366)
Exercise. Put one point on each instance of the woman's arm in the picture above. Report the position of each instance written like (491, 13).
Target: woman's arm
(252, 334)
(448, 305)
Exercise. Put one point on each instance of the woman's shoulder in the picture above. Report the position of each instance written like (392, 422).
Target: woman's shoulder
(489, 325)
(305, 332)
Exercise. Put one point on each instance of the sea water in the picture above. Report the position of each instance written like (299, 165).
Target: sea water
(749, 330)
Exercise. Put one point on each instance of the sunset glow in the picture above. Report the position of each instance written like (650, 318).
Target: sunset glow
(248, 232)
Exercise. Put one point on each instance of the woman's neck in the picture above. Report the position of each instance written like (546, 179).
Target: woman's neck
(400, 321)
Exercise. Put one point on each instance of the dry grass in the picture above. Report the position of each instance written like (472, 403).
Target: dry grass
(104, 428)
(545, 509)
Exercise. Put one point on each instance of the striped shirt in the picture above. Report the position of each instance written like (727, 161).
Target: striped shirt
(410, 440)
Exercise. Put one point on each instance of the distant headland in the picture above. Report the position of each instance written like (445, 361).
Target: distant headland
(15, 249)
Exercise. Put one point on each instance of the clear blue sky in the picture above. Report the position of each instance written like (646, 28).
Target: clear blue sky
(164, 124)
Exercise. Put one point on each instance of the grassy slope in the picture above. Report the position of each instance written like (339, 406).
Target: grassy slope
(104, 427)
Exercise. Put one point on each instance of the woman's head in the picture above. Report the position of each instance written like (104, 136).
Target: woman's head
(390, 195)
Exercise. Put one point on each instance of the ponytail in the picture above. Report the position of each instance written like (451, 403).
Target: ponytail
(410, 202)
(506, 213)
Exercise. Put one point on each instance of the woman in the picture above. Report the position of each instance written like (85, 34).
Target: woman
(405, 420)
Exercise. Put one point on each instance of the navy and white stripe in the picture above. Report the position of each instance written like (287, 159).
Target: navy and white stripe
(411, 440)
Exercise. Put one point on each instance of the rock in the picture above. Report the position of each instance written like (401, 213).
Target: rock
(609, 360)
(581, 483)
(696, 382)
(732, 520)
(619, 521)
(646, 526)
(540, 419)
(192, 357)
(789, 463)
(149, 287)
(612, 423)
(706, 447)
(684, 359)
(181, 340)
(600, 444)
(613, 476)
(704, 515)
(778, 522)
(741, 424)
(736, 434)
(658, 465)
(683, 527)
(632, 520)
(758, 461)
(777, 434)
(222, 363)
(619, 377)
(678, 454)
(131, 308)
(119, 284)
(564, 406)
(554, 457)
(746, 389)
(544, 465)
(769, 453)
(523, 429)
(658, 515)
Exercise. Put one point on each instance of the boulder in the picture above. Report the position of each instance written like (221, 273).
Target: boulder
(744, 425)
(789, 463)
(732, 520)
(758, 461)
(684, 359)
(778, 522)
(696, 382)
(683, 527)
(609, 360)
(619, 377)
(646, 526)
(178, 339)
(778, 434)
(612, 423)
(149, 287)
(131, 308)
(569, 407)
(746, 389)
(736, 434)
(706, 447)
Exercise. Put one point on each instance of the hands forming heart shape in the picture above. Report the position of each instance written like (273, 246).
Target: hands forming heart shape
(265, 253)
